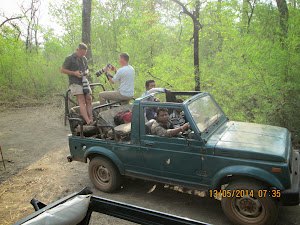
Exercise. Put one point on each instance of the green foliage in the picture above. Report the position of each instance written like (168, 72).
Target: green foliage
(245, 62)
(68, 15)
(29, 77)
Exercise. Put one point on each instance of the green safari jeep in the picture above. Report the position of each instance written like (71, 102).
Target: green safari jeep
(250, 167)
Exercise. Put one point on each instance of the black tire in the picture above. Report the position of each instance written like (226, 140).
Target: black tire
(104, 174)
(248, 210)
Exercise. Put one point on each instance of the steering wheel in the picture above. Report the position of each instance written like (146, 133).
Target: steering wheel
(186, 133)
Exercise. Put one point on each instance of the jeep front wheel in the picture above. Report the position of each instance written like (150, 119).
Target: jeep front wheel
(253, 208)
(104, 174)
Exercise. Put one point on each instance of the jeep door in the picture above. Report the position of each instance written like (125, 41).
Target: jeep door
(173, 158)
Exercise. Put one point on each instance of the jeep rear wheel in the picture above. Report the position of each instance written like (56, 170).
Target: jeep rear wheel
(249, 209)
(104, 174)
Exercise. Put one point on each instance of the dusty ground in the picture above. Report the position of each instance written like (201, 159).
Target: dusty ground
(34, 146)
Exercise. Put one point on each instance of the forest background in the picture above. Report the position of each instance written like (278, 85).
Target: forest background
(244, 52)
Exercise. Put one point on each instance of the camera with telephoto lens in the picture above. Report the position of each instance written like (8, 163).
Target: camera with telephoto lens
(103, 70)
(85, 85)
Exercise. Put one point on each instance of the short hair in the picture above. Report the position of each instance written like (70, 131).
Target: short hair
(161, 110)
(148, 82)
(82, 46)
(125, 56)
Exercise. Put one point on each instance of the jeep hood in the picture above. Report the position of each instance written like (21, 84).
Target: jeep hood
(251, 141)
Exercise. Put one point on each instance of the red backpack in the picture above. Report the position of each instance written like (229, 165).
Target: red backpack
(123, 117)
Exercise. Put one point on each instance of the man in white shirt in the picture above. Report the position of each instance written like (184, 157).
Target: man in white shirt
(125, 76)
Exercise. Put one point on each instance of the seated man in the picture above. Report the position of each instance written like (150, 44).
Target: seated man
(163, 126)
(177, 117)
(150, 112)
(125, 76)
(150, 88)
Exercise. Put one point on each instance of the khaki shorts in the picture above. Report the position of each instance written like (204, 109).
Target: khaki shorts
(113, 95)
(77, 89)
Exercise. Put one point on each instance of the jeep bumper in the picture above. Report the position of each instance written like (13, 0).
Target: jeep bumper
(291, 196)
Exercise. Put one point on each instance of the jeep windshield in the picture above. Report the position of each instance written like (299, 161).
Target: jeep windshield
(205, 112)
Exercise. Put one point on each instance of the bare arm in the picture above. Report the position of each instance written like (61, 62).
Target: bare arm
(110, 80)
(179, 129)
(71, 73)
(110, 77)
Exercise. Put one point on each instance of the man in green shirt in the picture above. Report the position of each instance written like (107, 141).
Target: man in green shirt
(74, 66)
(163, 126)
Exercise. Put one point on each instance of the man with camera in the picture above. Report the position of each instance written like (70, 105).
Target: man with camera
(76, 67)
(125, 76)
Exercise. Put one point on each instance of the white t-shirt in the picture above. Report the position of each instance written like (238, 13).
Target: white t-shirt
(125, 77)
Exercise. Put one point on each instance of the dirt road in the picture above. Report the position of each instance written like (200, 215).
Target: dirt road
(34, 145)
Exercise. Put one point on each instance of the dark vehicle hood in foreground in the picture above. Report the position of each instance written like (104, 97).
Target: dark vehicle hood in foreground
(251, 141)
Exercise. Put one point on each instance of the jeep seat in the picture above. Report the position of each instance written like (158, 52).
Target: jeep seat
(148, 126)
(74, 125)
(108, 115)
(107, 118)
(122, 132)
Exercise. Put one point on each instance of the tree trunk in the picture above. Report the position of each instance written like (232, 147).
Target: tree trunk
(86, 27)
(244, 16)
(196, 46)
(197, 26)
(284, 16)
(32, 26)
(220, 38)
(36, 36)
(29, 29)
(247, 14)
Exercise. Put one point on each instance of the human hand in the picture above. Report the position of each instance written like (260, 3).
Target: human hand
(186, 126)
(77, 74)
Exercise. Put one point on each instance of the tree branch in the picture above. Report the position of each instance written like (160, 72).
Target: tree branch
(194, 18)
(19, 17)
(184, 8)
(159, 79)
